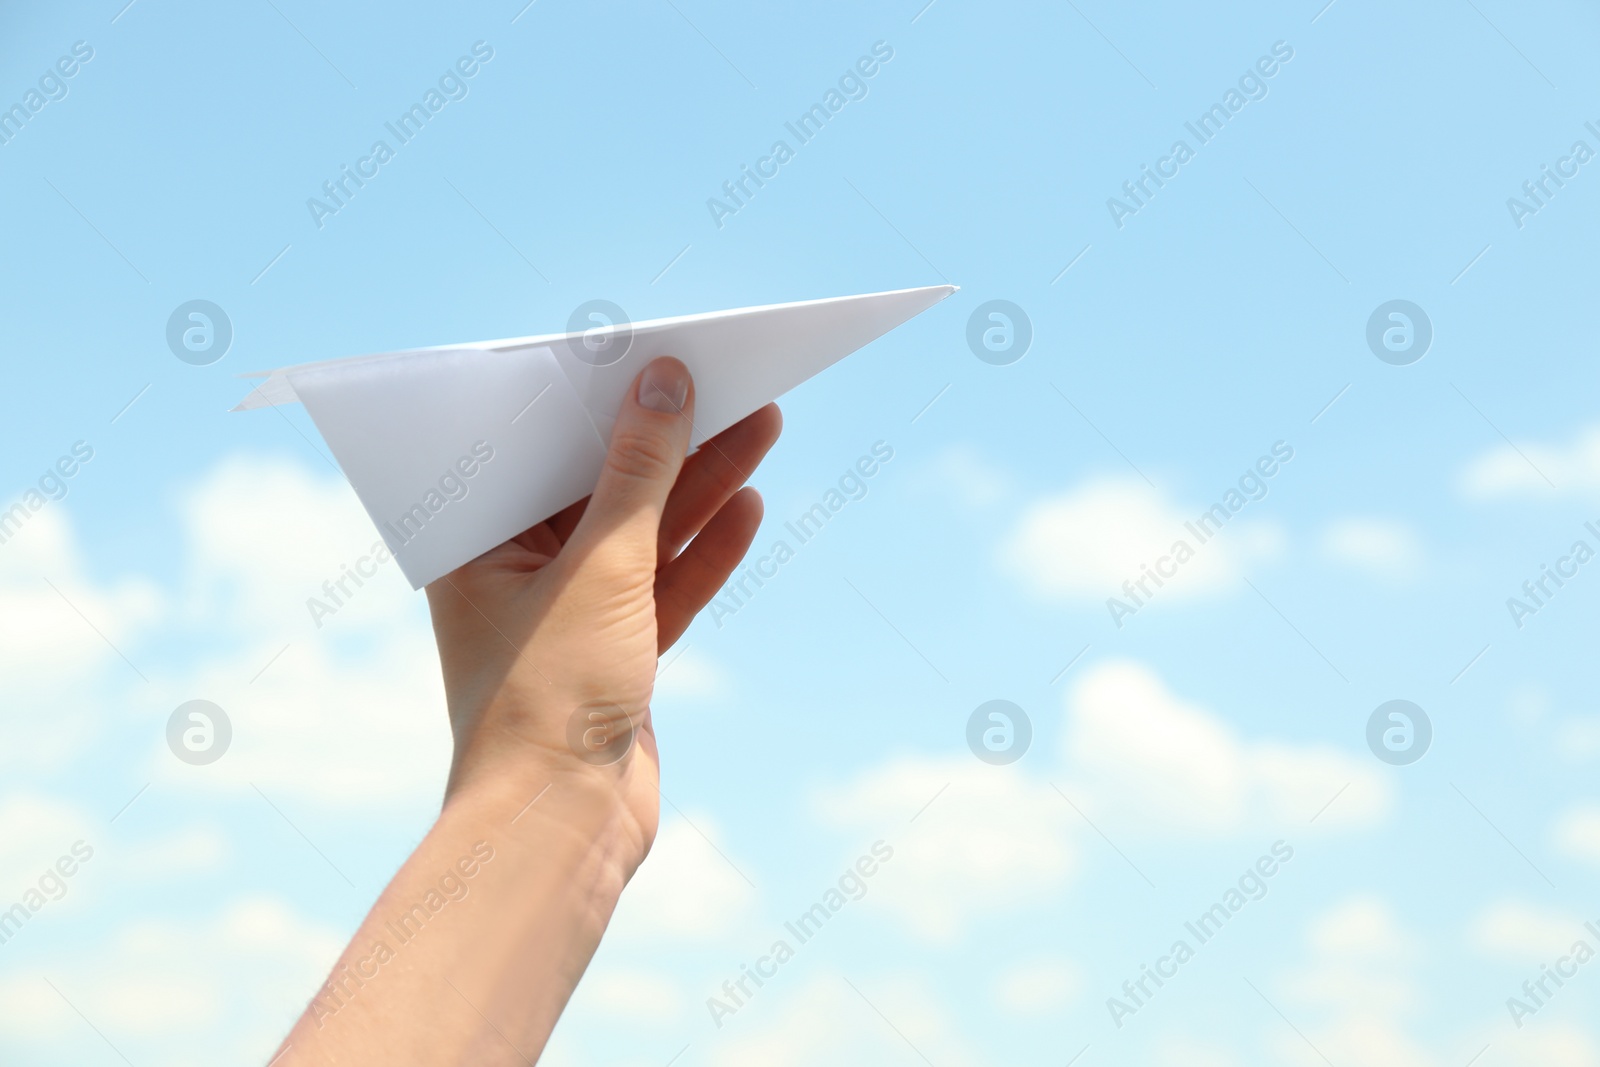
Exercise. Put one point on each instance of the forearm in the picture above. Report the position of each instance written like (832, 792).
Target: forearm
(450, 967)
(475, 947)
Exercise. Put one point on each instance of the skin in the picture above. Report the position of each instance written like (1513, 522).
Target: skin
(565, 619)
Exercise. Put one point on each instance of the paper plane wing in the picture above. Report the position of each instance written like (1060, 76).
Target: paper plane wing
(453, 450)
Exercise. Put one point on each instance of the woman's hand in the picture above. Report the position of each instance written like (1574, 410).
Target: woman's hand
(549, 643)
(473, 949)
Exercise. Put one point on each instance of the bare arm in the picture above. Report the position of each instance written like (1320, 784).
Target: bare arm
(548, 646)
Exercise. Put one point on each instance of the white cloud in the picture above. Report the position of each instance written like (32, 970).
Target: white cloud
(35, 831)
(690, 678)
(1361, 927)
(960, 472)
(263, 535)
(640, 996)
(357, 726)
(1551, 1044)
(189, 850)
(1173, 1051)
(992, 837)
(1577, 832)
(1506, 471)
(1528, 705)
(60, 636)
(1357, 989)
(1136, 756)
(1086, 542)
(177, 962)
(52, 631)
(1357, 997)
(1579, 738)
(34, 1012)
(1525, 933)
(688, 888)
(1384, 547)
(1150, 756)
(1368, 1040)
(352, 711)
(1037, 987)
(828, 1021)
(230, 983)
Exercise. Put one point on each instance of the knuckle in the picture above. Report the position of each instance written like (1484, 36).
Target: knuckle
(729, 477)
(642, 455)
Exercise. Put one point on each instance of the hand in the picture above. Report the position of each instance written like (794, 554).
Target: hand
(573, 613)
(568, 615)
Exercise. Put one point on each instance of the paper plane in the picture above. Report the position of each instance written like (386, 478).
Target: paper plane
(455, 449)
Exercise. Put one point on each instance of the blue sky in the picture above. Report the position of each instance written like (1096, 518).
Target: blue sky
(1227, 315)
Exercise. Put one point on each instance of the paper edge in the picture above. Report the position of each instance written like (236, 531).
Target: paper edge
(274, 383)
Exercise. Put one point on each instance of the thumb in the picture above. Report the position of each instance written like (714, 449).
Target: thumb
(648, 444)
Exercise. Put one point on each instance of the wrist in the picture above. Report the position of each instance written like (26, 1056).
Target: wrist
(556, 812)
(508, 895)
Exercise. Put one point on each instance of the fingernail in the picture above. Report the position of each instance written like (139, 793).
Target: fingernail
(664, 386)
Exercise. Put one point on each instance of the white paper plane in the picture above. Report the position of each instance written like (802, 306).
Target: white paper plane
(455, 449)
